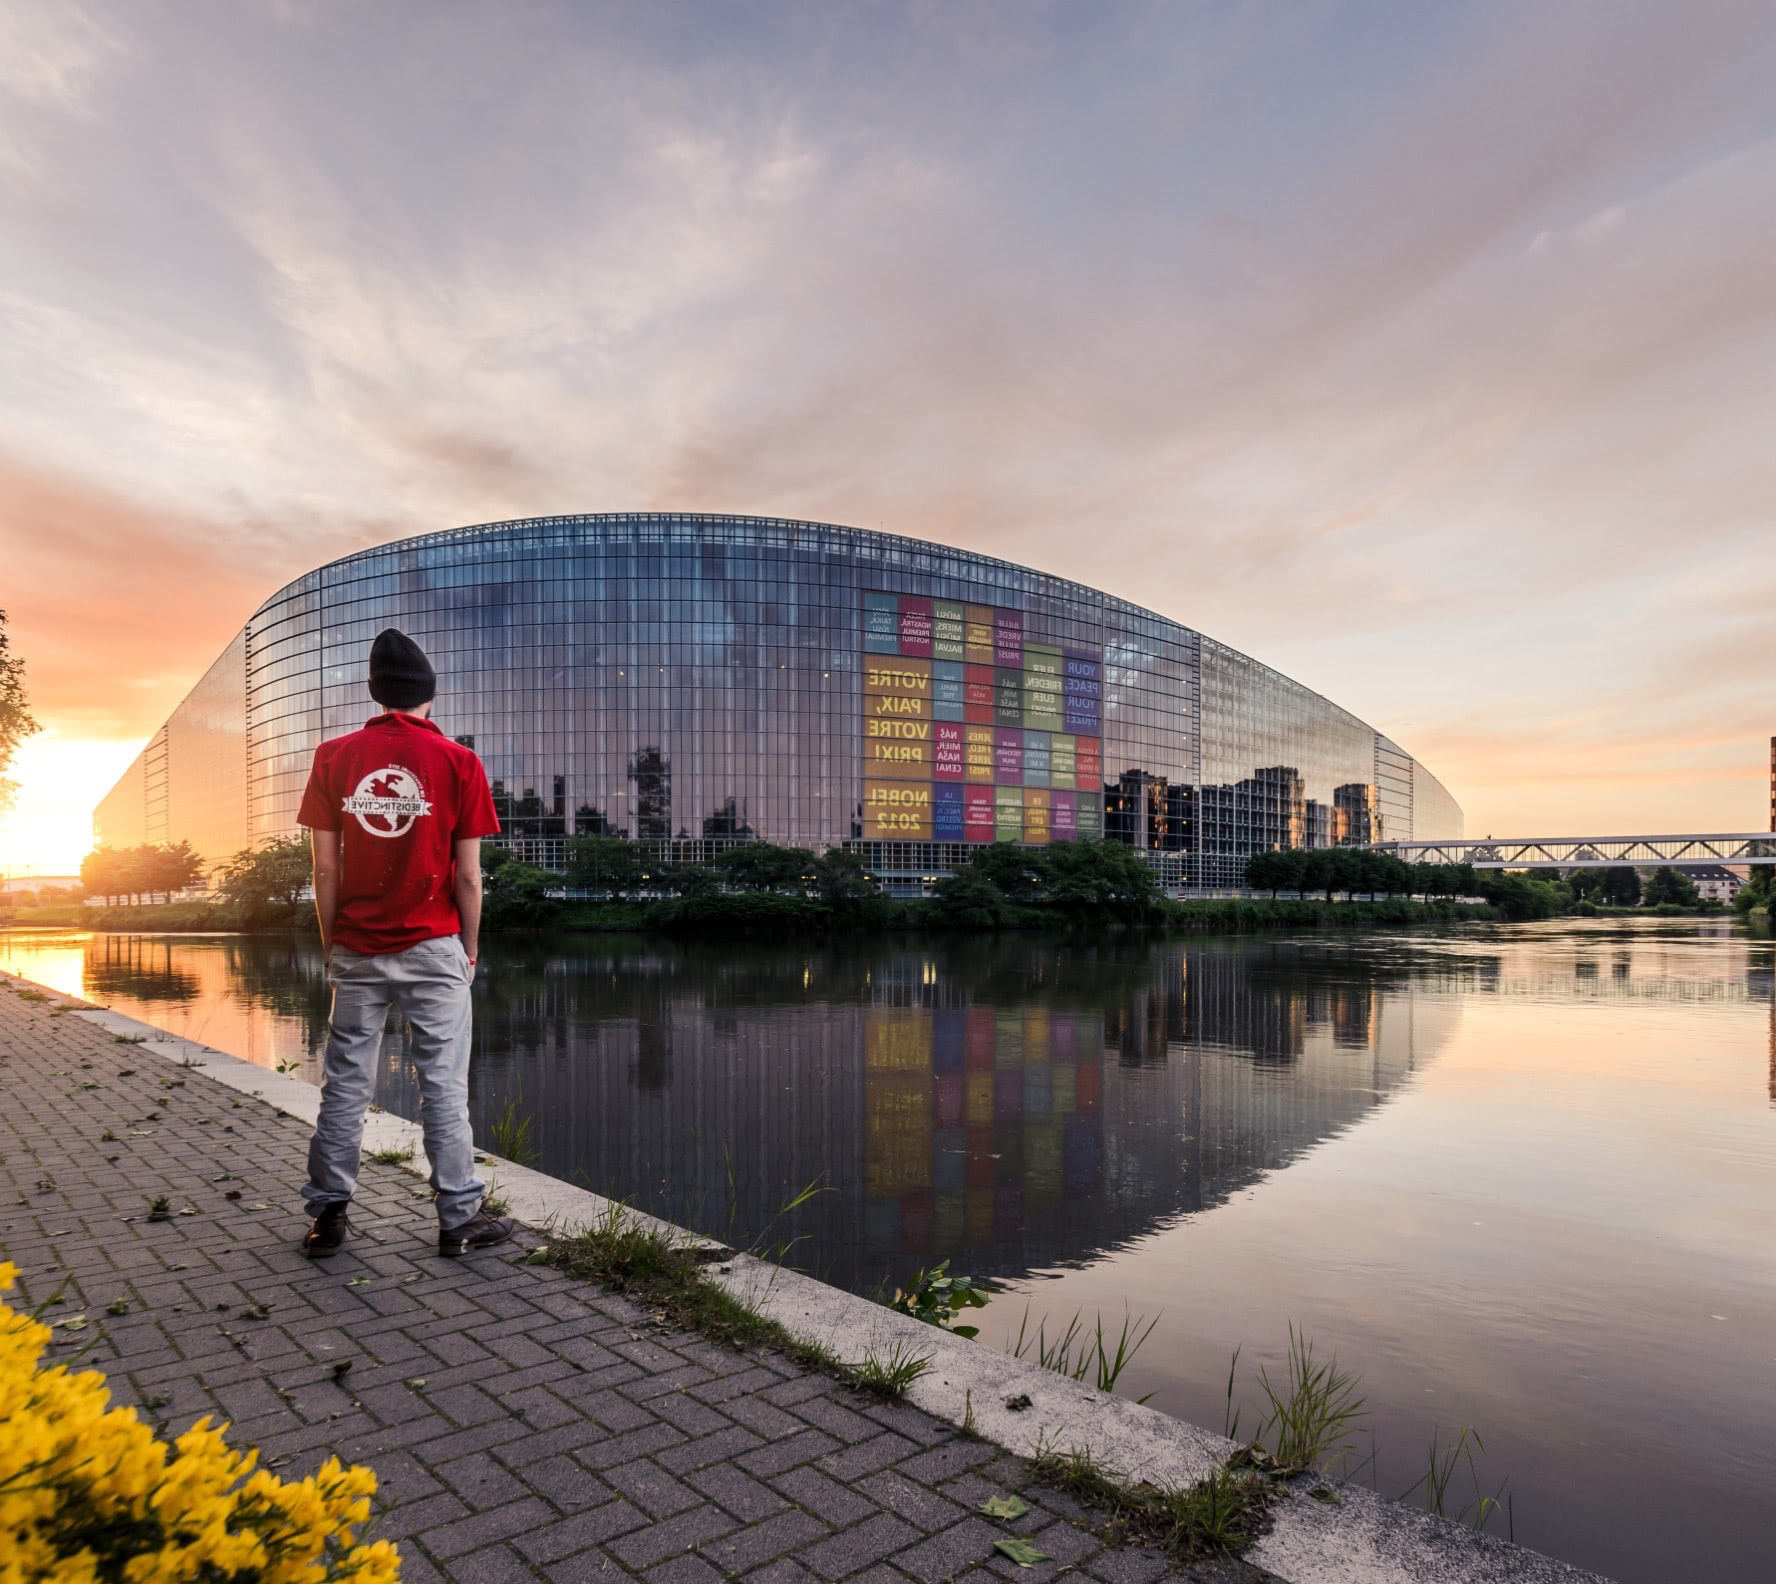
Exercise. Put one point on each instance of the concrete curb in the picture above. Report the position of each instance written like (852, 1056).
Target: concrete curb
(1362, 1538)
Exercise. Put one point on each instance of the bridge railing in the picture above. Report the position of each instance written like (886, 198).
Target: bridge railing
(1582, 852)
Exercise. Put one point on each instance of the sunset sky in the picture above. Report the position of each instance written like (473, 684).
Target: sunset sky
(1423, 351)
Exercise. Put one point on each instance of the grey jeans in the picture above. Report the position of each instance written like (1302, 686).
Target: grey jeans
(430, 984)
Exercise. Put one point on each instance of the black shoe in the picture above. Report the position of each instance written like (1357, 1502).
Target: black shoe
(479, 1232)
(327, 1231)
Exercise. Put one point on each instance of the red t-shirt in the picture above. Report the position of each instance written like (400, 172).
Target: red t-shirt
(404, 794)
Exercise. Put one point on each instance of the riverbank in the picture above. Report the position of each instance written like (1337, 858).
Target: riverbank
(527, 1424)
(765, 915)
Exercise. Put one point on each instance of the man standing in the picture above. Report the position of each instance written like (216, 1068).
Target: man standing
(396, 813)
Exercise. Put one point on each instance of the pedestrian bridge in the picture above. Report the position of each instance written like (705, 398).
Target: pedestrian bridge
(1587, 852)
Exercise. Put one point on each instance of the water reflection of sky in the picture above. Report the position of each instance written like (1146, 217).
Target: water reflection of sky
(1520, 1178)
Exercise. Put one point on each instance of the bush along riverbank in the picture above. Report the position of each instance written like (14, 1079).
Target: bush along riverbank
(757, 889)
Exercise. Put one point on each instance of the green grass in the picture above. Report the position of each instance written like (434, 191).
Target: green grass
(1441, 1465)
(889, 1377)
(1220, 1515)
(1084, 1355)
(661, 1268)
(1217, 1516)
(1078, 1472)
(1311, 1414)
(393, 1156)
(511, 1134)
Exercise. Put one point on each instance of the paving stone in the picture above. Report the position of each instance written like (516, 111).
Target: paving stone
(918, 1504)
(776, 1456)
(742, 1495)
(483, 1528)
(661, 1540)
(951, 1550)
(683, 1570)
(563, 1538)
(837, 1503)
(759, 1543)
(561, 1432)
(859, 1546)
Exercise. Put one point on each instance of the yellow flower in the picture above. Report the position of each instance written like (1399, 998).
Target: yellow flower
(86, 1490)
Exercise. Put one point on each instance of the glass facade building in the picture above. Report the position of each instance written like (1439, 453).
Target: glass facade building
(696, 680)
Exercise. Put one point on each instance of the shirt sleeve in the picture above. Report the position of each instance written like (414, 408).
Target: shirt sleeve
(475, 817)
(320, 808)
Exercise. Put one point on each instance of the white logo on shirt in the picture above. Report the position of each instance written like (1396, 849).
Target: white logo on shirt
(387, 802)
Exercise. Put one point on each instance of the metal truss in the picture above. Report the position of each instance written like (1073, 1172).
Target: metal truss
(1588, 852)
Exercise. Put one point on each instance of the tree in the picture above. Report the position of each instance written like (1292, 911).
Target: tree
(1019, 872)
(970, 900)
(761, 866)
(135, 872)
(174, 868)
(1518, 895)
(1268, 871)
(1756, 892)
(16, 723)
(842, 881)
(518, 893)
(1666, 886)
(1106, 878)
(1621, 887)
(268, 881)
(606, 865)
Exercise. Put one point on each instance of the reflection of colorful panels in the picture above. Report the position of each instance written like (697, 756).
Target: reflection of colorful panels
(897, 810)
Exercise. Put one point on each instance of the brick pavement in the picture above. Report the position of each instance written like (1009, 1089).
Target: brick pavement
(523, 1424)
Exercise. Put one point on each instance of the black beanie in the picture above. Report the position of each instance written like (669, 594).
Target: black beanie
(400, 675)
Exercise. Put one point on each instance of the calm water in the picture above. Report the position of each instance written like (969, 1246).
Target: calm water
(1520, 1178)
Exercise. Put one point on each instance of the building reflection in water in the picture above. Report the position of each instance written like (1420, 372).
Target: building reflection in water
(1010, 1105)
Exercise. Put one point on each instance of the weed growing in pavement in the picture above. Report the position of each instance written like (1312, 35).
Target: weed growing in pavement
(1078, 1472)
(662, 1268)
(160, 1208)
(1220, 1515)
(393, 1156)
(891, 1376)
(129, 1039)
(493, 1202)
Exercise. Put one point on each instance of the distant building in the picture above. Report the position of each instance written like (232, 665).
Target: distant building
(1715, 882)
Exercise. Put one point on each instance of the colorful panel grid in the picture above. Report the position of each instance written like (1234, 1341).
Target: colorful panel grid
(975, 727)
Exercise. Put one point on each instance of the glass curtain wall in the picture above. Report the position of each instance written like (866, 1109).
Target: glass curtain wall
(699, 680)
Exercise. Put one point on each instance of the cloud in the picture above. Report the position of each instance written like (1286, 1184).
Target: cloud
(115, 608)
(1426, 361)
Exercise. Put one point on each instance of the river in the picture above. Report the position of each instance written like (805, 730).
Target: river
(1520, 1178)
